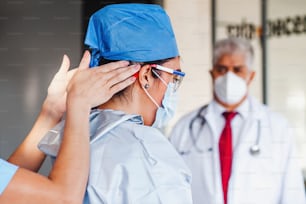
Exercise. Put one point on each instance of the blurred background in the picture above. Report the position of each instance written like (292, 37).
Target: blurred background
(35, 34)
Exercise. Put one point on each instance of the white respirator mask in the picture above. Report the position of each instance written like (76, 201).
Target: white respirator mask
(230, 88)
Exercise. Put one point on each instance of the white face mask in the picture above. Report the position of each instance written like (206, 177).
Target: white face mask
(167, 110)
(230, 88)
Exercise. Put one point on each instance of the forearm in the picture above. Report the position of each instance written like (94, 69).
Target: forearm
(27, 155)
(68, 177)
(72, 164)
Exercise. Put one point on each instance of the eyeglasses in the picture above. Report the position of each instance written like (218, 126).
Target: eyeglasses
(178, 75)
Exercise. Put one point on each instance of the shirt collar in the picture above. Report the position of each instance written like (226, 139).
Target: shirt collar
(217, 108)
(243, 110)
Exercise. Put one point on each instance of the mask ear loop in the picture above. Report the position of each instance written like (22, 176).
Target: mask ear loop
(145, 88)
(249, 77)
(152, 99)
(164, 82)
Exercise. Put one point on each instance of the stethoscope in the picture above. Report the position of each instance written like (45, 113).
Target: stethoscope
(254, 148)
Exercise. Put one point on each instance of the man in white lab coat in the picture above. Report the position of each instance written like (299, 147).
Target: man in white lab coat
(238, 150)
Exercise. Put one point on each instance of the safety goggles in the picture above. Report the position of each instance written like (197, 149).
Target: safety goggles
(177, 75)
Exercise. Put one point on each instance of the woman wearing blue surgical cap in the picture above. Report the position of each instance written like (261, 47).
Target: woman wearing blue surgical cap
(132, 162)
(67, 180)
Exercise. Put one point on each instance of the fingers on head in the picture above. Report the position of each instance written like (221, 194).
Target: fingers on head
(118, 75)
(122, 85)
(112, 66)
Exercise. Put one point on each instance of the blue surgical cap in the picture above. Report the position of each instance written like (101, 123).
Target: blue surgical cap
(134, 32)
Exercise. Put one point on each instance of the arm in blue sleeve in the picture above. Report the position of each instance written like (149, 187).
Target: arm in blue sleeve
(7, 171)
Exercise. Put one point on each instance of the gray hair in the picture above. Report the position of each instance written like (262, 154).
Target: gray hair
(230, 46)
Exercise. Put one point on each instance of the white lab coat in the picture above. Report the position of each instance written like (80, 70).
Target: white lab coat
(271, 177)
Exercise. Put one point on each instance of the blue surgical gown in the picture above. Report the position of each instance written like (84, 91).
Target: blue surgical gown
(7, 171)
(130, 163)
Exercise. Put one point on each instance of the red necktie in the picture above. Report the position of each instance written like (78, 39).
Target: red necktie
(226, 152)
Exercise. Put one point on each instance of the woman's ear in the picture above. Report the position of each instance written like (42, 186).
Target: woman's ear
(145, 76)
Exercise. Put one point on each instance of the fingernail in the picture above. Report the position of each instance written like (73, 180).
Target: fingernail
(86, 53)
(133, 78)
(125, 63)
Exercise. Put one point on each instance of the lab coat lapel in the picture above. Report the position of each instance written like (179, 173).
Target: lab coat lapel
(211, 121)
(249, 129)
(210, 117)
(247, 137)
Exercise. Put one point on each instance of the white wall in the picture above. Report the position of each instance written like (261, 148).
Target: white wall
(287, 72)
(191, 22)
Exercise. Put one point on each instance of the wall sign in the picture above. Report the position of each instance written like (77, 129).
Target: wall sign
(275, 28)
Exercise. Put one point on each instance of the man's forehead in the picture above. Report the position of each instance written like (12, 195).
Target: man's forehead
(232, 60)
